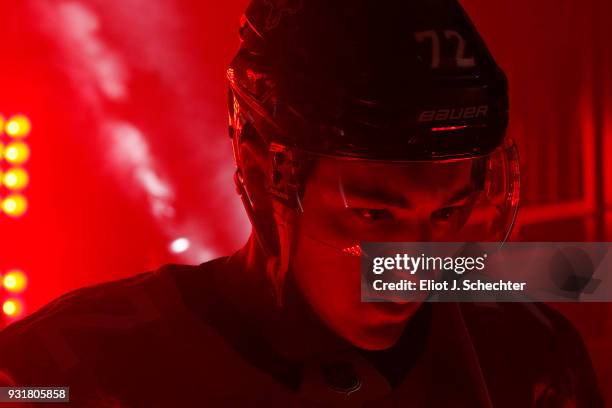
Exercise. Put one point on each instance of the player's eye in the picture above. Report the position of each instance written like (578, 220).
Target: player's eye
(447, 213)
(373, 214)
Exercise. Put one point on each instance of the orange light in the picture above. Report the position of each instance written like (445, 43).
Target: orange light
(18, 126)
(1, 124)
(15, 179)
(15, 281)
(15, 205)
(354, 250)
(12, 307)
(448, 128)
(17, 152)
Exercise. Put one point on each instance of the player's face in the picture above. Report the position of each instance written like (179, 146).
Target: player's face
(376, 203)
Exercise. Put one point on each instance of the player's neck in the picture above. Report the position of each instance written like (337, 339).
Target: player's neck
(294, 323)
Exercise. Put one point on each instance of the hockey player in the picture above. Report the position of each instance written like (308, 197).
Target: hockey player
(351, 121)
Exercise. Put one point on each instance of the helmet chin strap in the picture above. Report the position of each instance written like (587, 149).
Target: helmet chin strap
(278, 264)
(278, 254)
(250, 210)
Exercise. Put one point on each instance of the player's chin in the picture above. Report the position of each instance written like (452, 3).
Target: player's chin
(381, 325)
(378, 337)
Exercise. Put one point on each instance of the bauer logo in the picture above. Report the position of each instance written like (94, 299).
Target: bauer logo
(441, 115)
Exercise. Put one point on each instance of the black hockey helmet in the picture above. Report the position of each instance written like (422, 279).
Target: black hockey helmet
(397, 82)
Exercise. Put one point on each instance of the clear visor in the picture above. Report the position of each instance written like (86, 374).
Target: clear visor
(347, 201)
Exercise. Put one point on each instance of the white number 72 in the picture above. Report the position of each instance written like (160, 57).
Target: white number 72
(460, 58)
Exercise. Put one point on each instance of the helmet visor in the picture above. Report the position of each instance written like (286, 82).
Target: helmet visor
(348, 201)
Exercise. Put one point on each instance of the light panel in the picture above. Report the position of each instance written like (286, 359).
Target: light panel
(14, 179)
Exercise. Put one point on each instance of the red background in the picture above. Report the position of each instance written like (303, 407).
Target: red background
(130, 148)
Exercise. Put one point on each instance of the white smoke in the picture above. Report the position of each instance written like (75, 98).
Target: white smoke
(100, 72)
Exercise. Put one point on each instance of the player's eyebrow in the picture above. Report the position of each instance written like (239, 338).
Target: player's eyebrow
(461, 194)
